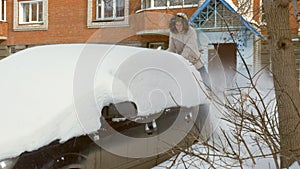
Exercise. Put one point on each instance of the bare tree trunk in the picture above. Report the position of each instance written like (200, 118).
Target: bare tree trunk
(285, 78)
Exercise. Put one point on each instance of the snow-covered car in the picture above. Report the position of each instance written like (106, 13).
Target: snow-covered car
(75, 104)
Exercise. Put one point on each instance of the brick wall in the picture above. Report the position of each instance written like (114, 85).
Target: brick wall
(67, 23)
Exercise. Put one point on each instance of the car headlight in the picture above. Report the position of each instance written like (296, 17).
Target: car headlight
(8, 163)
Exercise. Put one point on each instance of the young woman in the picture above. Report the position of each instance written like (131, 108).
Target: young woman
(183, 41)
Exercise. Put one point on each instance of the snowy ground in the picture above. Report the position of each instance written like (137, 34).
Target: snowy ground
(264, 85)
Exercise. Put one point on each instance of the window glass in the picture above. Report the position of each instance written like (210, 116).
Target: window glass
(146, 3)
(120, 8)
(25, 12)
(108, 8)
(176, 2)
(3, 9)
(40, 11)
(99, 4)
(190, 2)
(34, 12)
(159, 3)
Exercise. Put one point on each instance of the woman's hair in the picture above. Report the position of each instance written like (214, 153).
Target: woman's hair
(179, 17)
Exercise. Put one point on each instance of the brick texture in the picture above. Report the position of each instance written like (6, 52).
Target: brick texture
(67, 23)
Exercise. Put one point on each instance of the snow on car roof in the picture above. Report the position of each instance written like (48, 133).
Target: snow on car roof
(46, 92)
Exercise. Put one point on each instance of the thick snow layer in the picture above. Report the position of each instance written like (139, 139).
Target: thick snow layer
(56, 92)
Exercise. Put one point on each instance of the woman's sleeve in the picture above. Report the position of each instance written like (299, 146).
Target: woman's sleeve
(171, 47)
(191, 48)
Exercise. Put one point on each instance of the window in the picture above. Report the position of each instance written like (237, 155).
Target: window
(160, 3)
(110, 9)
(2, 10)
(31, 12)
(176, 2)
(168, 3)
(107, 13)
(30, 15)
(146, 4)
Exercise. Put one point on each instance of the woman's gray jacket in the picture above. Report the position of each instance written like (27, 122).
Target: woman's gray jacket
(185, 44)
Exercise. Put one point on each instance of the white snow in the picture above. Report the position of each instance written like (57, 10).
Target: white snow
(295, 165)
(243, 10)
(265, 86)
(46, 93)
(232, 4)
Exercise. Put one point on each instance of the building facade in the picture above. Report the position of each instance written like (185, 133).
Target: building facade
(235, 30)
(144, 23)
(228, 40)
